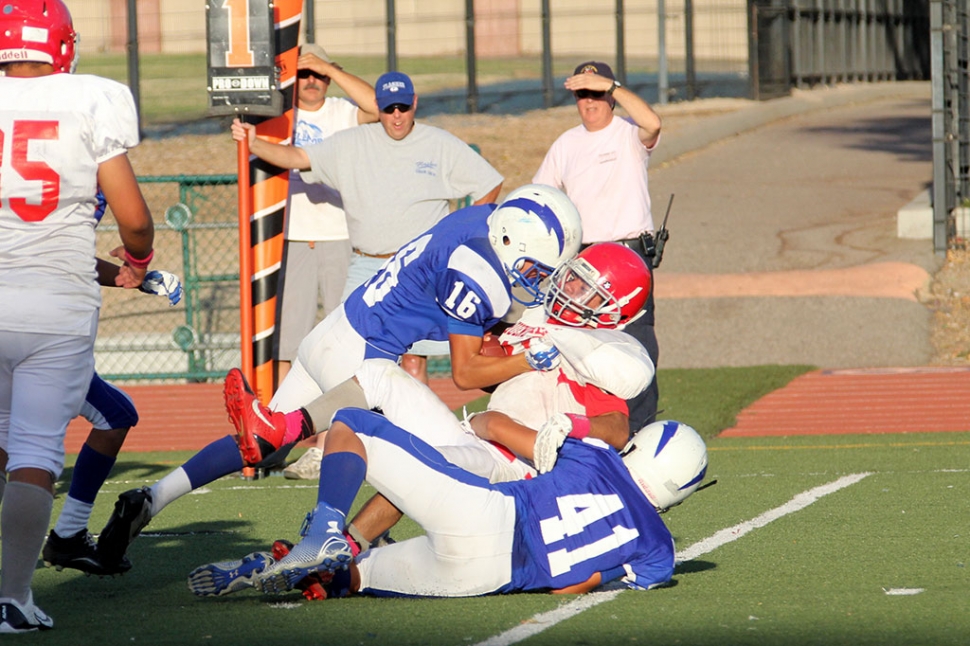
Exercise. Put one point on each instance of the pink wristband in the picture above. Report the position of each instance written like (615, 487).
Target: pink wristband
(139, 263)
(581, 426)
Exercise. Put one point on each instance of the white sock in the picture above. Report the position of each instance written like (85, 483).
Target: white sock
(74, 517)
(170, 488)
(24, 519)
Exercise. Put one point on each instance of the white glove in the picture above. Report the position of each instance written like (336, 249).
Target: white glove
(163, 283)
(542, 355)
(549, 440)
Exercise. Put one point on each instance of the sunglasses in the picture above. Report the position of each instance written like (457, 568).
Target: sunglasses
(305, 74)
(589, 94)
(400, 107)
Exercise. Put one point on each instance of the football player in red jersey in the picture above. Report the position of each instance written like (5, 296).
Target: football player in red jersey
(54, 155)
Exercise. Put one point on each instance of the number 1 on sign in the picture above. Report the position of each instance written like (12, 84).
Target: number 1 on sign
(239, 53)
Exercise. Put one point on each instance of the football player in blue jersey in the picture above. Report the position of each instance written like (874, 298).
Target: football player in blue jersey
(592, 519)
(452, 284)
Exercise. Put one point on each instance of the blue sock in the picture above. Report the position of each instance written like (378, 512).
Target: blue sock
(341, 475)
(90, 472)
(217, 459)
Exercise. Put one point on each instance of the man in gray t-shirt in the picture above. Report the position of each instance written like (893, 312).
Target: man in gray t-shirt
(395, 178)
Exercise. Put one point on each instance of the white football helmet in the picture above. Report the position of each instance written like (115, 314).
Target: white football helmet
(667, 460)
(532, 231)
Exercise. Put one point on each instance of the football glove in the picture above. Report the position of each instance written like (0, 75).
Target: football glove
(163, 283)
(549, 440)
(542, 355)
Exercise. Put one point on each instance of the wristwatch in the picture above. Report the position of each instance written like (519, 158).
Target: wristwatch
(615, 85)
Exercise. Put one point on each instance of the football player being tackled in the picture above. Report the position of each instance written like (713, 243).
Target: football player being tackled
(591, 295)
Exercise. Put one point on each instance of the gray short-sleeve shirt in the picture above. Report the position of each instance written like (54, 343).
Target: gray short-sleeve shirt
(395, 190)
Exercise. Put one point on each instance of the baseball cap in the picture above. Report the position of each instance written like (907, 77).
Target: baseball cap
(595, 67)
(316, 50)
(393, 87)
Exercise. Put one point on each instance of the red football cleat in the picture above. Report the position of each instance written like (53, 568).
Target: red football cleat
(259, 431)
(313, 585)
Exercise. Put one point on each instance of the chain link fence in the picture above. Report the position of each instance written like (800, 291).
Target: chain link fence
(142, 337)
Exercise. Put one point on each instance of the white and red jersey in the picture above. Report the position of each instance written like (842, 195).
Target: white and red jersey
(601, 368)
(54, 132)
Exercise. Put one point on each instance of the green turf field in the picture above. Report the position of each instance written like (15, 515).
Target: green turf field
(866, 544)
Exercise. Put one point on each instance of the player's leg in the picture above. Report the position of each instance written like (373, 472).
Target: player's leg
(111, 413)
(327, 357)
(469, 525)
(324, 546)
(45, 377)
(135, 508)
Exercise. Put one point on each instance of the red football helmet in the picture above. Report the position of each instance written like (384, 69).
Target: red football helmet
(38, 31)
(604, 286)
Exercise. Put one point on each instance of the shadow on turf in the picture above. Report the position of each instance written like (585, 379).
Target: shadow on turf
(690, 567)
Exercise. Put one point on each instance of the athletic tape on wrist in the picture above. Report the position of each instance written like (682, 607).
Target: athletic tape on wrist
(139, 263)
(581, 426)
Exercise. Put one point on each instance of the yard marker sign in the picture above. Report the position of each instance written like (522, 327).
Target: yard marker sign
(252, 52)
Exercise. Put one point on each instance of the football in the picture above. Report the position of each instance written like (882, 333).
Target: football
(492, 347)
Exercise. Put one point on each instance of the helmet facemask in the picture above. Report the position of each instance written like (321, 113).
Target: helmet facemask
(527, 275)
(579, 296)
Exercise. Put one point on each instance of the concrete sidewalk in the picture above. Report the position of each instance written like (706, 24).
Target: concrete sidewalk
(783, 246)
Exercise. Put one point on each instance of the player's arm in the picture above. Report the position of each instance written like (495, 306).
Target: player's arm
(470, 369)
(107, 272)
(290, 157)
(613, 428)
(582, 588)
(498, 427)
(117, 181)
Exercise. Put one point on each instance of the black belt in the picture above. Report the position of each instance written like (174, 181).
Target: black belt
(642, 244)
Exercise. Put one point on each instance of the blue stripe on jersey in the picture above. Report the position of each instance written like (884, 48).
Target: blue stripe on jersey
(495, 285)
(377, 426)
(546, 215)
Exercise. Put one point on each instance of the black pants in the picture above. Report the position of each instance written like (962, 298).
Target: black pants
(643, 407)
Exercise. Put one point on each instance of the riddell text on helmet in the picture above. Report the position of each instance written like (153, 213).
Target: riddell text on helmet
(8, 55)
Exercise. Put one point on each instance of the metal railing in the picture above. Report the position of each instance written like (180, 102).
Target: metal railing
(803, 43)
(950, 31)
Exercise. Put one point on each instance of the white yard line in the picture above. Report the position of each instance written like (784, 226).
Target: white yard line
(549, 619)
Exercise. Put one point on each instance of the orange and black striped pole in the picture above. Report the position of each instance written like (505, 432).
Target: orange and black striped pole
(268, 186)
